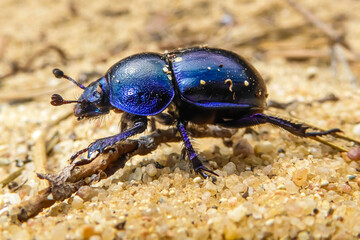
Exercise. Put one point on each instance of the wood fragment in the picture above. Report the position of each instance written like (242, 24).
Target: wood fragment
(70, 179)
(43, 147)
(11, 177)
(40, 157)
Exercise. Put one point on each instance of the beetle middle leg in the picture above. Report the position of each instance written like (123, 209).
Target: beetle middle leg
(198, 166)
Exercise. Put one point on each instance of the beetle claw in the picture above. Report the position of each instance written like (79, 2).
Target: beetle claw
(322, 133)
(77, 154)
(202, 169)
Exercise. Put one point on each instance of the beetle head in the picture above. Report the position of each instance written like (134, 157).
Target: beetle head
(94, 101)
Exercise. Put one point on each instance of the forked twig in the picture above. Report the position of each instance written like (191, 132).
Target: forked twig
(71, 178)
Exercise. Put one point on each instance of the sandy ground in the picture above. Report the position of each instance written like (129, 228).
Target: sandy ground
(285, 188)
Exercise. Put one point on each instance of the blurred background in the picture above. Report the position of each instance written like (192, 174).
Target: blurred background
(307, 52)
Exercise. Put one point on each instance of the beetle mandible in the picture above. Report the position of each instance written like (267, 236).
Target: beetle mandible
(200, 85)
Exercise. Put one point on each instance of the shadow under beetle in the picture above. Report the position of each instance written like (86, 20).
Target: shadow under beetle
(199, 85)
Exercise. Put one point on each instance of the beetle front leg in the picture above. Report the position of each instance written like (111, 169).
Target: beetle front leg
(198, 166)
(136, 125)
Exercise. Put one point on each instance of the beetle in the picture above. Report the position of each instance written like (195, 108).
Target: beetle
(200, 85)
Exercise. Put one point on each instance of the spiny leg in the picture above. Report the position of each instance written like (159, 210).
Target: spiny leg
(198, 166)
(298, 129)
(162, 118)
(165, 119)
(136, 124)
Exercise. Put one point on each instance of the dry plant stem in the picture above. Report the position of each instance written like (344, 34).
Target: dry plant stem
(40, 157)
(30, 94)
(11, 177)
(327, 29)
(340, 55)
(71, 178)
(27, 66)
(334, 36)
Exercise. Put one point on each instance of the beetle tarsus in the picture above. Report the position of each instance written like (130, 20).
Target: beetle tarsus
(198, 166)
(322, 133)
(202, 169)
(77, 154)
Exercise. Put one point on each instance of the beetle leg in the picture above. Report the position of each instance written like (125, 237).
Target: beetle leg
(198, 166)
(139, 124)
(165, 119)
(298, 129)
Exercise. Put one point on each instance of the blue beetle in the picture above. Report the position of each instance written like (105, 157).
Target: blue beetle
(200, 85)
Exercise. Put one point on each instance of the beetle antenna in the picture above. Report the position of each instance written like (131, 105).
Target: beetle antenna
(57, 100)
(60, 74)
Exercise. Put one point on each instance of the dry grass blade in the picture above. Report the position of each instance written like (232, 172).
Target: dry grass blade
(11, 177)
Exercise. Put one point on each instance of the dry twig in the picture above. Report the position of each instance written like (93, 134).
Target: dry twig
(71, 178)
(336, 37)
(28, 65)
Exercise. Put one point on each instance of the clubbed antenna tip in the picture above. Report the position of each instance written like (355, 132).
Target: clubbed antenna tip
(60, 74)
(57, 100)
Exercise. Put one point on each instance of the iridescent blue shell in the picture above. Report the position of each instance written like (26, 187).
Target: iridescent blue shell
(140, 84)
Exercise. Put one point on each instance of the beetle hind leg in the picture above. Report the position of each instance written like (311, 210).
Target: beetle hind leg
(298, 129)
(198, 166)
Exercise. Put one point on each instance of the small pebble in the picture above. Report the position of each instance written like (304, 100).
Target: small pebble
(267, 169)
(211, 187)
(151, 170)
(269, 222)
(197, 180)
(87, 193)
(137, 174)
(77, 202)
(324, 183)
(356, 129)
(242, 147)
(22, 234)
(88, 231)
(58, 232)
(95, 237)
(300, 176)
(232, 201)
(263, 147)
(238, 213)
(229, 168)
(354, 154)
(345, 188)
